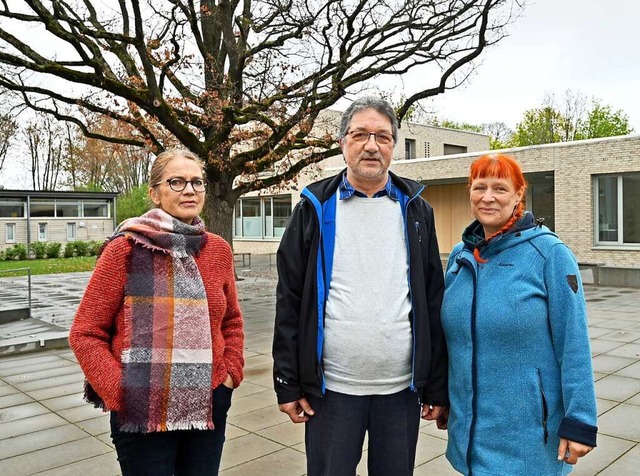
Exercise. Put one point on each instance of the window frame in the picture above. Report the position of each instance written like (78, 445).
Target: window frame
(6, 232)
(16, 203)
(266, 202)
(45, 234)
(410, 149)
(619, 243)
(74, 227)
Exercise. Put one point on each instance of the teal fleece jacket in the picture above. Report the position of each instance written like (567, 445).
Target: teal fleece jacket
(520, 374)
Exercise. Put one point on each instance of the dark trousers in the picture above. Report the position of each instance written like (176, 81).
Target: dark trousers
(335, 434)
(174, 453)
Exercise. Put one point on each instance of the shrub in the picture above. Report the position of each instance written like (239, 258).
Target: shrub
(94, 247)
(77, 248)
(82, 248)
(17, 251)
(69, 250)
(21, 250)
(2, 257)
(53, 250)
(39, 249)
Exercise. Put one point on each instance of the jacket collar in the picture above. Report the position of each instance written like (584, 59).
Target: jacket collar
(473, 235)
(325, 188)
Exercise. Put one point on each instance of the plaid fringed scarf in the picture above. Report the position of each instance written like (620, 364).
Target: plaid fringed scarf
(167, 363)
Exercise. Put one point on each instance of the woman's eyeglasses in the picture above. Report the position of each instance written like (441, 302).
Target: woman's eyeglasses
(179, 184)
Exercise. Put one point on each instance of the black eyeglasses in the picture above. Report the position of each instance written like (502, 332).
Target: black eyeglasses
(381, 138)
(179, 184)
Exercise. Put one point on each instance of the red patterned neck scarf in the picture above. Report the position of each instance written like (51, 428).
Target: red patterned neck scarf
(167, 362)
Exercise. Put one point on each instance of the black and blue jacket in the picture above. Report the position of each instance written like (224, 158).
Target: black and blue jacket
(305, 259)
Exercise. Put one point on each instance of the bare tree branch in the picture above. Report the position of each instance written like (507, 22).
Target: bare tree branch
(238, 82)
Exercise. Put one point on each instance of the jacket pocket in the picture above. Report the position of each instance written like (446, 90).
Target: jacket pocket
(545, 409)
(418, 232)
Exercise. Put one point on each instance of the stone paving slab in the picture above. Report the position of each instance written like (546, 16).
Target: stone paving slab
(46, 428)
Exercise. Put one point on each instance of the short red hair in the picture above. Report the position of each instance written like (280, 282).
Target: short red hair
(500, 166)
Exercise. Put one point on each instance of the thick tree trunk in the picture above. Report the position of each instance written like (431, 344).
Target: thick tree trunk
(218, 214)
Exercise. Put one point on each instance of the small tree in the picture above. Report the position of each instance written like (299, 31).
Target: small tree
(539, 126)
(603, 121)
(133, 204)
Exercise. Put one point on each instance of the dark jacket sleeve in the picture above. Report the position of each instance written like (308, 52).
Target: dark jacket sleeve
(292, 261)
(436, 390)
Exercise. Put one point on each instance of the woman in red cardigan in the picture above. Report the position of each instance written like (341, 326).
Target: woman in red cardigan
(159, 333)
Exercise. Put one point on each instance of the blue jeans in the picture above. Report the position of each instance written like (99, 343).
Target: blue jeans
(174, 453)
(335, 433)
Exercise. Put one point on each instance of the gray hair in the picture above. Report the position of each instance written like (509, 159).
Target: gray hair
(369, 102)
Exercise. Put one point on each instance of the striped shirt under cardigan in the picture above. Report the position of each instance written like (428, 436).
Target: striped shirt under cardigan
(97, 333)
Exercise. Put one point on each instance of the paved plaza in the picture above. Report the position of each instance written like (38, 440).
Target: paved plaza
(47, 429)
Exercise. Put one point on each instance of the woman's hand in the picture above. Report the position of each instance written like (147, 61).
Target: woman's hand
(228, 382)
(570, 451)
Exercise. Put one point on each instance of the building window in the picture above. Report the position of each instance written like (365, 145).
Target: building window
(262, 217)
(281, 213)
(59, 208)
(43, 208)
(450, 149)
(249, 219)
(95, 209)
(67, 208)
(12, 208)
(71, 231)
(42, 232)
(616, 213)
(409, 149)
(10, 233)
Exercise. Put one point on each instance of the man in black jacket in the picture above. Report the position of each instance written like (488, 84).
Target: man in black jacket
(358, 344)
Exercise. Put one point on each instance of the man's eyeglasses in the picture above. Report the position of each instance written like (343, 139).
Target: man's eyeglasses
(381, 138)
(179, 184)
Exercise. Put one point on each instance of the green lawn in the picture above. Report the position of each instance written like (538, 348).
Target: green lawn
(48, 266)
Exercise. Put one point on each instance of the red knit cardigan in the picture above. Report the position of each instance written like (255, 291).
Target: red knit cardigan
(97, 333)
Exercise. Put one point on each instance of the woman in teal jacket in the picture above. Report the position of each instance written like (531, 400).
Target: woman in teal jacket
(514, 315)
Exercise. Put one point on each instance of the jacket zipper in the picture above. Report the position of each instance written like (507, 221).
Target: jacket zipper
(474, 403)
(412, 386)
(320, 257)
(545, 409)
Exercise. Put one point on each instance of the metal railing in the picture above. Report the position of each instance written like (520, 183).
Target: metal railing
(15, 273)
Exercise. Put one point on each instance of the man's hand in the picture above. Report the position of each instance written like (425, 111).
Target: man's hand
(439, 414)
(570, 451)
(299, 411)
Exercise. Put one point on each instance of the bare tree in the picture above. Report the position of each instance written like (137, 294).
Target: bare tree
(572, 108)
(46, 146)
(499, 133)
(240, 83)
(8, 129)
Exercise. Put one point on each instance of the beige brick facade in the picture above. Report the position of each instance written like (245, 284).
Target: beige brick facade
(573, 166)
(566, 170)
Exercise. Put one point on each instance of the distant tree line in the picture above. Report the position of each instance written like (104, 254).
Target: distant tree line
(572, 118)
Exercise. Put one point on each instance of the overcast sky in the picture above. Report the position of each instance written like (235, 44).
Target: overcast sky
(588, 46)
